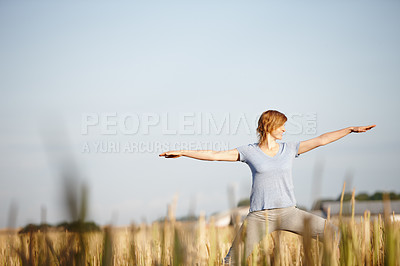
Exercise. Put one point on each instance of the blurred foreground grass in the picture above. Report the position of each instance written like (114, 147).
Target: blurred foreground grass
(363, 242)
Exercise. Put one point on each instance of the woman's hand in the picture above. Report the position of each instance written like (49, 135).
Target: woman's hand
(171, 154)
(362, 129)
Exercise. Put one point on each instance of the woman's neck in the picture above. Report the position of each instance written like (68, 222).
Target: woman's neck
(270, 143)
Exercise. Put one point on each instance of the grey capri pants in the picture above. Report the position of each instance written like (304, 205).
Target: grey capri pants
(288, 219)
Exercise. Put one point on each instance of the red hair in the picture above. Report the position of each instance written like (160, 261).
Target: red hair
(268, 122)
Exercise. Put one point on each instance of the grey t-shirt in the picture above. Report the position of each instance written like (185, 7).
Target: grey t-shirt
(272, 185)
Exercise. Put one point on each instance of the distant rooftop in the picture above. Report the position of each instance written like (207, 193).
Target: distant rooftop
(374, 206)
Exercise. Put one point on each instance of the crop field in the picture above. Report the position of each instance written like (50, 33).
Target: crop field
(363, 242)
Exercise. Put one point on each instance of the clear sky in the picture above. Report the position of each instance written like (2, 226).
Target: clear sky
(76, 74)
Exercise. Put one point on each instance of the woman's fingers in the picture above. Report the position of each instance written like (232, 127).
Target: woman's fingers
(367, 128)
(170, 154)
(363, 129)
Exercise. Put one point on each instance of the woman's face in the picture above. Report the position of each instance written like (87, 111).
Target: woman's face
(278, 133)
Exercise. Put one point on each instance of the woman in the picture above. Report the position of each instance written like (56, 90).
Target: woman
(272, 194)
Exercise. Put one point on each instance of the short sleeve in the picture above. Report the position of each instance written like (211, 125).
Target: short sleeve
(242, 153)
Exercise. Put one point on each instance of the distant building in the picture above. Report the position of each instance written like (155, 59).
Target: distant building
(227, 217)
(375, 207)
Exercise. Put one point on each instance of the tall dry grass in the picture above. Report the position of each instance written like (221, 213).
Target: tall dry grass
(362, 241)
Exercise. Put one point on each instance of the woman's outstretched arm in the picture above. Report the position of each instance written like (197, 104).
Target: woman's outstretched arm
(207, 155)
(330, 137)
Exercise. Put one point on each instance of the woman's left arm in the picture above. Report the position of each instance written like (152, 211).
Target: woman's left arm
(329, 137)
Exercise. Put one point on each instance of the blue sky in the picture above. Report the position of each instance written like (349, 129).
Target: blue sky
(61, 61)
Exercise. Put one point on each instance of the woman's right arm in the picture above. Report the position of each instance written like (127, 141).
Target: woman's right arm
(207, 155)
